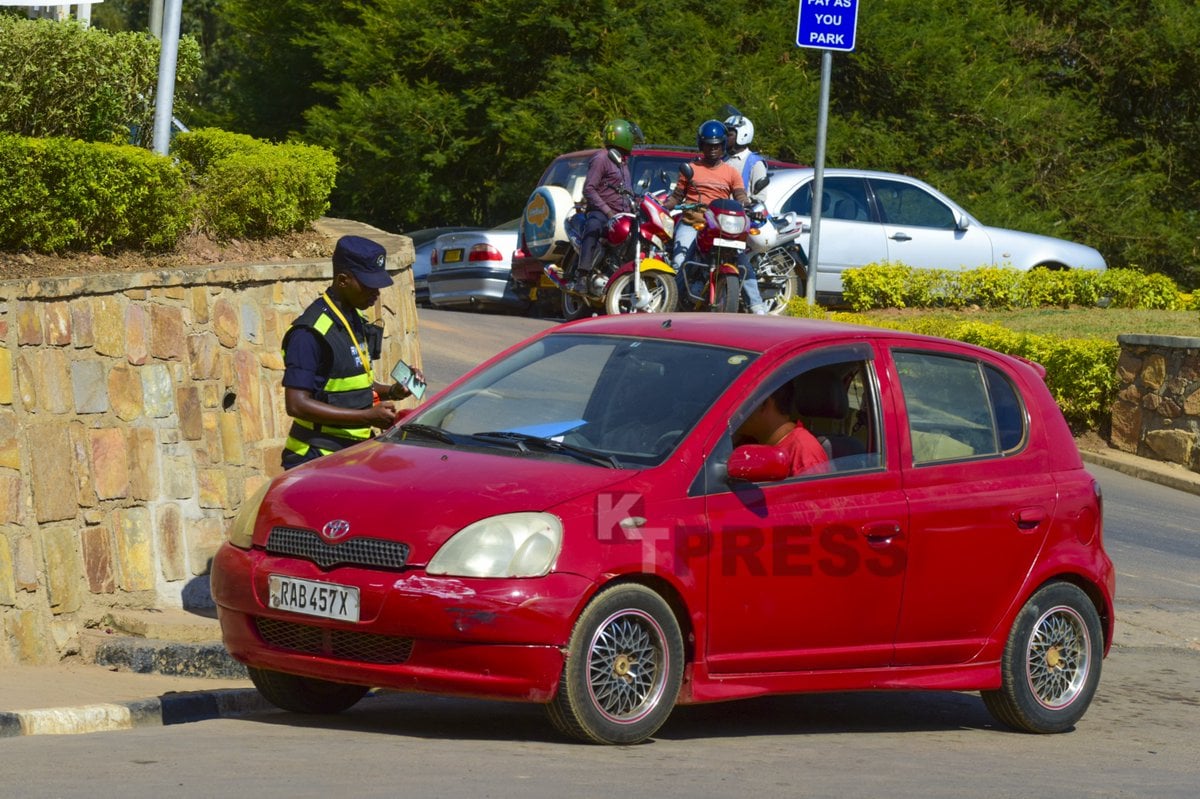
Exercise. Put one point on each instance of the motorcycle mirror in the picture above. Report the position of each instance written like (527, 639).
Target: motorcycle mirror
(685, 169)
(616, 156)
(762, 183)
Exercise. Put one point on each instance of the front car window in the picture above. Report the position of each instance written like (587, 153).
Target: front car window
(843, 198)
(958, 408)
(906, 204)
(631, 399)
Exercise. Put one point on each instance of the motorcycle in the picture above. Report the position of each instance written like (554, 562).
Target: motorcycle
(633, 238)
(712, 278)
(776, 256)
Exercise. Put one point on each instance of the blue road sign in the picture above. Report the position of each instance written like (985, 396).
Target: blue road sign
(827, 24)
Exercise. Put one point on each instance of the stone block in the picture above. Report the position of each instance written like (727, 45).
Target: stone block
(171, 543)
(204, 537)
(137, 334)
(12, 504)
(1154, 371)
(6, 376)
(216, 489)
(83, 334)
(89, 386)
(1126, 426)
(197, 300)
(179, 478)
(10, 444)
(158, 393)
(232, 451)
(28, 636)
(134, 535)
(1191, 403)
(53, 381)
(249, 383)
(26, 381)
(143, 464)
(29, 324)
(225, 323)
(191, 422)
(109, 315)
(98, 562)
(202, 356)
(167, 333)
(82, 447)
(58, 324)
(52, 472)
(8, 588)
(63, 568)
(110, 463)
(125, 392)
(25, 571)
(1174, 446)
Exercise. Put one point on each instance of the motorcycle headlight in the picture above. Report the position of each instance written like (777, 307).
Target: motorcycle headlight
(510, 545)
(731, 225)
(241, 532)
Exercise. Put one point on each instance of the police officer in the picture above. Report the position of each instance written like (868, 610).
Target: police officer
(329, 386)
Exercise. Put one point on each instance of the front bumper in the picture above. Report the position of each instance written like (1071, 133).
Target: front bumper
(495, 639)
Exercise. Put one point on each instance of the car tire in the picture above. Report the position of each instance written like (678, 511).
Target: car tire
(623, 670)
(305, 694)
(1051, 662)
(664, 296)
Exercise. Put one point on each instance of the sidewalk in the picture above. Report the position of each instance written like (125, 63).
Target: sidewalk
(168, 667)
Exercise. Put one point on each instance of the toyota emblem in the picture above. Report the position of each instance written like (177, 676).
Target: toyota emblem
(338, 528)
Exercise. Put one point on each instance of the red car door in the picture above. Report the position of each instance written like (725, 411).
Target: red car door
(981, 500)
(808, 573)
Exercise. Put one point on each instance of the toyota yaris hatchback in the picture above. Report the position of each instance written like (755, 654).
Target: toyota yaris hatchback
(577, 523)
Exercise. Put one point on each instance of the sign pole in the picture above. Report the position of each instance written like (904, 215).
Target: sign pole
(818, 195)
(164, 96)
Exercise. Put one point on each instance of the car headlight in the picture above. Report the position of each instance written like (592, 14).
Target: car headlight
(241, 532)
(511, 545)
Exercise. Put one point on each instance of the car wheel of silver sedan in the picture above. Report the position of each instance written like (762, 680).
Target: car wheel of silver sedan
(305, 694)
(623, 671)
(1051, 663)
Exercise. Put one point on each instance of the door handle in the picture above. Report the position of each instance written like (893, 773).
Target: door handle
(881, 533)
(901, 237)
(1029, 518)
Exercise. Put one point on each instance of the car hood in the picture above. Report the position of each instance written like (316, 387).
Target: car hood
(421, 495)
(1027, 250)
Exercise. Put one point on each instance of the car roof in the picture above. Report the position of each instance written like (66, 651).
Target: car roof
(668, 150)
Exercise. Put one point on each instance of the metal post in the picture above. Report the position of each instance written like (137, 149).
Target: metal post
(164, 96)
(156, 18)
(83, 13)
(818, 194)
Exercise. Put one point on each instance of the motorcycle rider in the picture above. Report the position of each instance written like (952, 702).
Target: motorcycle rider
(752, 166)
(607, 170)
(712, 179)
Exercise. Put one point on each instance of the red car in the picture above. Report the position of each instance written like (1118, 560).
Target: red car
(574, 523)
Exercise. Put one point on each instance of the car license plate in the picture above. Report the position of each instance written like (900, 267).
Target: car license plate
(452, 256)
(737, 245)
(312, 598)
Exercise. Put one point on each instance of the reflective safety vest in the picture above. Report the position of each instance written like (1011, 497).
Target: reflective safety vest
(348, 384)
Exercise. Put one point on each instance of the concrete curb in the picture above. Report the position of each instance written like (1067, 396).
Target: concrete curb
(1164, 474)
(171, 708)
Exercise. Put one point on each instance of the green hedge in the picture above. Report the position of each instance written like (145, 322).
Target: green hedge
(250, 188)
(891, 285)
(64, 195)
(1080, 372)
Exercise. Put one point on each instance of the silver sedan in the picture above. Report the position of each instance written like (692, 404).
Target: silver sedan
(871, 217)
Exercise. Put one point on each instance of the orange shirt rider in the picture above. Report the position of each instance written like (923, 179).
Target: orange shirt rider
(708, 183)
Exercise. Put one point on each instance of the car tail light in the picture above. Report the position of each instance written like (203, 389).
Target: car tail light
(484, 252)
(433, 258)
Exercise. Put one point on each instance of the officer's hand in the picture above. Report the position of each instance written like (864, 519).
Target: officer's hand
(381, 414)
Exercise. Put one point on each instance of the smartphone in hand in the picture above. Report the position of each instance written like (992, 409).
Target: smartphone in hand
(403, 374)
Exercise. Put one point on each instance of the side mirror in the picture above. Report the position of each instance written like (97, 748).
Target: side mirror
(762, 183)
(758, 463)
(962, 221)
(685, 169)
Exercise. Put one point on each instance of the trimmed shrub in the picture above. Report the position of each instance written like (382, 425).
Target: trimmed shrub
(64, 194)
(249, 188)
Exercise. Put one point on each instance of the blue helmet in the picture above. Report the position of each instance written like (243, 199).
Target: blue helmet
(711, 132)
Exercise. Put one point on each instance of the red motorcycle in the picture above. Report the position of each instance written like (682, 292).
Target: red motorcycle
(633, 238)
(712, 279)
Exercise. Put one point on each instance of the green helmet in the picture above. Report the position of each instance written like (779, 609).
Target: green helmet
(620, 134)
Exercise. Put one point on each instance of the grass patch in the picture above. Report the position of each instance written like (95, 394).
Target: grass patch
(1104, 324)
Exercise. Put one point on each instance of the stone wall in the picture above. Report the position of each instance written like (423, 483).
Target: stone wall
(1157, 410)
(136, 412)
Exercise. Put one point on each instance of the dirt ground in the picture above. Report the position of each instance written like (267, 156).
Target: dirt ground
(195, 249)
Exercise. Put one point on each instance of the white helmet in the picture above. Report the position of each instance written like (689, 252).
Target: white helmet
(743, 129)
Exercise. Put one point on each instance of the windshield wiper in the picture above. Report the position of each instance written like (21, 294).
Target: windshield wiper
(523, 442)
(424, 431)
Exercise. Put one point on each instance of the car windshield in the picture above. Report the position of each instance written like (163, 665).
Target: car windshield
(608, 400)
